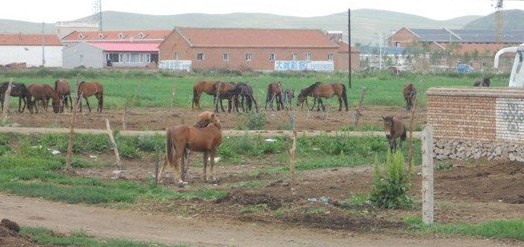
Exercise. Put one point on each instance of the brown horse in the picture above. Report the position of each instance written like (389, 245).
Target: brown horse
(410, 95)
(274, 91)
(321, 90)
(43, 92)
(205, 139)
(64, 93)
(200, 87)
(88, 89)
(19, 90)
(245, 92)
(394, 129)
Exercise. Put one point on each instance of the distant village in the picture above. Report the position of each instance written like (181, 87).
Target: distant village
(83, 45)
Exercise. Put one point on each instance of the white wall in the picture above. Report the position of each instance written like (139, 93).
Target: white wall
(31, 55)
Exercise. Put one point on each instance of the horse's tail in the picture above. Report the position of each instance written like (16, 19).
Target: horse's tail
(403, 136)
(195, 96)
(78, 89)
(345, 96)
(170, 147)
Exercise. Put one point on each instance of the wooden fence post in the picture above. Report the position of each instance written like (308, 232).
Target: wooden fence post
(118, 173)
(69, 159)
(6, 102)
(360, 104)
(428, 203)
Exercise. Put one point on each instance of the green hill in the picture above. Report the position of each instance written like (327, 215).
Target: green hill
(366, 23)
(513, 20)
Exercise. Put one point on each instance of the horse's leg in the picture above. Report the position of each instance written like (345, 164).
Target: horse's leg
(212, 164)
(340, 101)
(206, 156)
(100, 103)
(87, 103)
(176, 167)
(255, 102)
(314, 103)
(320, 102)
(159, 176)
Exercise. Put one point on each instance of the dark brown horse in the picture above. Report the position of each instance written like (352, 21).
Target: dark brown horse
(64, 93)
(321, 90)
(410, 95)
(88, 89)
(180, 137)
(245, 93)
(394, 129)
(274, 92)
(200, 87)
(229, 91)
(19, 90)
(42, 93)
(486, 81)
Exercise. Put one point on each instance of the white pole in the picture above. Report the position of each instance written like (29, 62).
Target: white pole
(428, 203)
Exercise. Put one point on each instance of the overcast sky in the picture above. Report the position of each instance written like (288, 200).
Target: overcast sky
(51, 11)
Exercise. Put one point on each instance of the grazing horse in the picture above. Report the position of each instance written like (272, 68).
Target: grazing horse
(88, 89)
(245, 92)
(274, 91)
(229, 91)
(484, 83)
(43, 92)
(181, 137)
(394, 129)
(410, 95)
(321, 90)
(288, 97)
(64, 93)
(19, 90)
(200, 87)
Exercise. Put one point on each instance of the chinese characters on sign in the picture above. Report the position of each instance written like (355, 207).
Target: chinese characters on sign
(302, 65)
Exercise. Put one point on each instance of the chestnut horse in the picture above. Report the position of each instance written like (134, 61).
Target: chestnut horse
(19, 90)
(229, 91)
(43, 92)
(274, 91)
(321, 90)
(394, 129)
(88, 89)
(200, 87)
(180, 137)
(410, 95)
(64, 93)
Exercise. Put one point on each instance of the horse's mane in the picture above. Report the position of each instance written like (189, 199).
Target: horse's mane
(308, 90)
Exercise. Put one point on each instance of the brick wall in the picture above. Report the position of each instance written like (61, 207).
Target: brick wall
(477, 122)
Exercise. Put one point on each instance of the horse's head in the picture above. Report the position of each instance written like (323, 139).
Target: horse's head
(388, 125)
(205, 118)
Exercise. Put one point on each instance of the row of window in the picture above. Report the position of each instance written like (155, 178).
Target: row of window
(249, 56)
(128, 57)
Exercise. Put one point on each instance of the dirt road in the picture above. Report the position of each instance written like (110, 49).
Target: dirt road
(167, 229)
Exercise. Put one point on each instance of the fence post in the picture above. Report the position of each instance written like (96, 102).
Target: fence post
(428, 203)
(6, 102)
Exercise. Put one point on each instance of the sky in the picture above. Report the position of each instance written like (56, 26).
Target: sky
(51, 11)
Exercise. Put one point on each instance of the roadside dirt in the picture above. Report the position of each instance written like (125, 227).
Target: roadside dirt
(260, 209)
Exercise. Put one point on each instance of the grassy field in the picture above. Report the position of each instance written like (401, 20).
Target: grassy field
(154, 89)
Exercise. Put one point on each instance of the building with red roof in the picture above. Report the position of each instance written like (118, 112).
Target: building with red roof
(254, 49)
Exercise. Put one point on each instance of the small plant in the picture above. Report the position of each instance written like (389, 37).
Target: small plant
(392, 185)
(255, 121)
(444, 165)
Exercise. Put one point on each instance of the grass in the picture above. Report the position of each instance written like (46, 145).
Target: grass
(499, 229)
(45, 236)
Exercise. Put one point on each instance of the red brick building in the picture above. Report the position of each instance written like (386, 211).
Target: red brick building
(254, 49)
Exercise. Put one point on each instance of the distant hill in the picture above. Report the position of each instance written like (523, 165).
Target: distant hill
(513, 20)
(366, 23)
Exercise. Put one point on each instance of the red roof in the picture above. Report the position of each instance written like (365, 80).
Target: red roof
(127, 47)
(144, 35)
(29, 39)
(259, 38)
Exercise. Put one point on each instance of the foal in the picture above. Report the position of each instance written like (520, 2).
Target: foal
(182, 137)
(394, 129)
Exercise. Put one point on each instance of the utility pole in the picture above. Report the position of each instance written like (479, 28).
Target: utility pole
(349, 47)
(43, 45)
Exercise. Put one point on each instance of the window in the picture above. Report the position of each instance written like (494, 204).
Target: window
(397, 44)
(113, 57)
(200, 56)
(272, 57)
(330, 57)
(226, 57)
(308, 56)
(249, 56)
(293, 56)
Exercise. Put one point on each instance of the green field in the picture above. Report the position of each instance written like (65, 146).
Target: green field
(155, 89)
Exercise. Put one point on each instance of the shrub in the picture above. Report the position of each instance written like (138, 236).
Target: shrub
(392, 185)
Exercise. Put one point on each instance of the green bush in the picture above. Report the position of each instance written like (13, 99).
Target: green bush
(392, 185)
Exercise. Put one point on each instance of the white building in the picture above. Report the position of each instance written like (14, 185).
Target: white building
(32, 49)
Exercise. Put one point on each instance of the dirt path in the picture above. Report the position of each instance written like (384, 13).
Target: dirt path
(167, 229)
